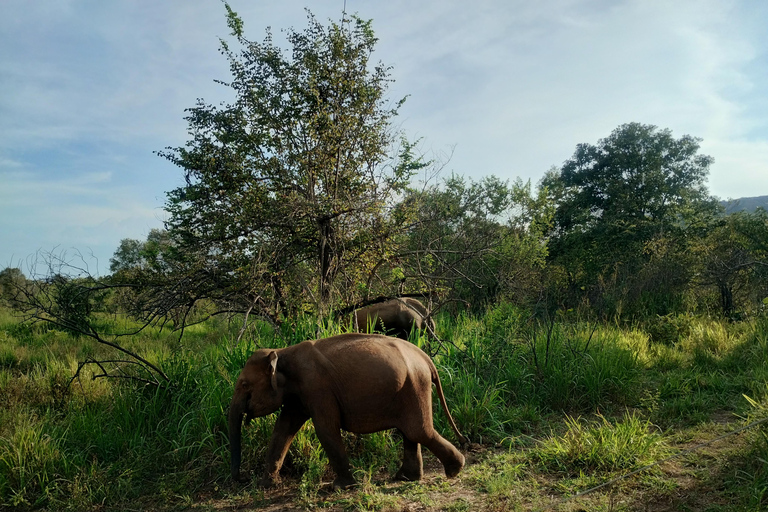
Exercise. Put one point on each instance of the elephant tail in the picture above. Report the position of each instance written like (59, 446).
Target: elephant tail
(436, 381)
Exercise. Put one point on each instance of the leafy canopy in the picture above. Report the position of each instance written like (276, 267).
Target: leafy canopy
(288, 187)
(639, 177)
(619, 201)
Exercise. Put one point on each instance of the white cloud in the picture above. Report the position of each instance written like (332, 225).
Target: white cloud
(86, 212)
(740, 167)
(517, 93)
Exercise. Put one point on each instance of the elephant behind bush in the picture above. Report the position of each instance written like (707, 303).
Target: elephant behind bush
(396, 317)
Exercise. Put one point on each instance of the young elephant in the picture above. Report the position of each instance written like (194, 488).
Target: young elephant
(361, 383)
(395, 316)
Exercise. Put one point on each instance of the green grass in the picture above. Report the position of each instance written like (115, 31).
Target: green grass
(599, 400)
(602, 446)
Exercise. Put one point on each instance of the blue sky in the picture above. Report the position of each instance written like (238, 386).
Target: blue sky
(90, 88)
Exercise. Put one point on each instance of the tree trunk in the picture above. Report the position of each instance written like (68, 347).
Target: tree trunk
(726, 299)
(326, 257)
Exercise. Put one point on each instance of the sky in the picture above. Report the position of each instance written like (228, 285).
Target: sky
(89, 90)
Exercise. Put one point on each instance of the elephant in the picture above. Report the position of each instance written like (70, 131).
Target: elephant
(360, 383)
(396, 317)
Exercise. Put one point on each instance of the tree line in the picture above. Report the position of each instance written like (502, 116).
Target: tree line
(302, 196)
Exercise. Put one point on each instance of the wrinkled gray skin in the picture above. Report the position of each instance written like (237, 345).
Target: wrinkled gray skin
(396, 317)
(360, 383)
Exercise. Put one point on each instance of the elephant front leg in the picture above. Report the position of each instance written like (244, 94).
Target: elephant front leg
(412, 468)
(286, 426)
(330, 439)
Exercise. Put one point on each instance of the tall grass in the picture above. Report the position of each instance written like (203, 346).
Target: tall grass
(103, 443)
(29, 462)
(752, 477)
(603, 446)
(502, 374)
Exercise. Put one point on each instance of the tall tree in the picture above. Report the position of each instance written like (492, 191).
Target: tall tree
(137, 255)
(638, 186)
(734, 259)
(474, 240)
(288, 187)
(11, 281)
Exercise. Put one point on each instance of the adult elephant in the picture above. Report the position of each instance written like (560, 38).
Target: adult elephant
(360, 383)
(397, 317)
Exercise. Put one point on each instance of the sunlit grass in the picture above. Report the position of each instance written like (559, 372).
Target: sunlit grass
(602, 446)
(752, 478)
(29, 462)
(94, 443)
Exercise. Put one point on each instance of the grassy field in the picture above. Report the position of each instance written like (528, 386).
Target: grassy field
(553, 410)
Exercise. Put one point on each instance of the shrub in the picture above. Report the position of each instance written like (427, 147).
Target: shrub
(602, 446)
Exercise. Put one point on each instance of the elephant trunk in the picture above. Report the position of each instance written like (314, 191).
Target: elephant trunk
(235, 424)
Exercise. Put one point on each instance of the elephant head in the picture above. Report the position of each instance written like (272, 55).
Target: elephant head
(258, 392)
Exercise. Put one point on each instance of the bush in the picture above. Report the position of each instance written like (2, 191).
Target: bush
(668, 329)
(602, 446)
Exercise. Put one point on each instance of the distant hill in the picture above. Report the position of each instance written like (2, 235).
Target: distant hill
(745, 203)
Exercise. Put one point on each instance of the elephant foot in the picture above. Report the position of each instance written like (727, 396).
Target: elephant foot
(240, 478)
(268, 481)
(408, 474)
(453, 468)
(344, 483)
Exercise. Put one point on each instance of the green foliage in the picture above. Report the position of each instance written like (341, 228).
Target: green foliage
(287, 188)
(603, 446)
(108, 443)
(11, 281)
(638, 179)
(73, 304)
(156, 253)
(234, 22)
(626, 209)
(668, 329)
(733, 259)
(478, 241)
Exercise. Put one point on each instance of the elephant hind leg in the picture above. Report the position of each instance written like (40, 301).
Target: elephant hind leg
(452, 459)
(412, 468)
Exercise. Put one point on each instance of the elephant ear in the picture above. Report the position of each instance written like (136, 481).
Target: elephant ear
(273, 368)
